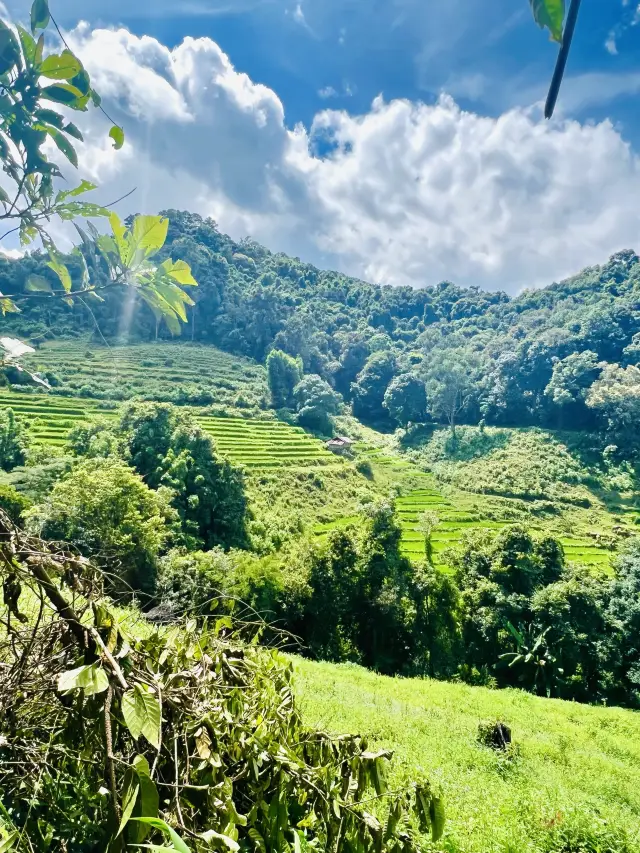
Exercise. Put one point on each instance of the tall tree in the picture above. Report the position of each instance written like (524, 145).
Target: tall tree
(283, 373)
(406, 399)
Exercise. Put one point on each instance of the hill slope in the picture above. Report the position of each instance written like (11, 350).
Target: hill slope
(572, 784)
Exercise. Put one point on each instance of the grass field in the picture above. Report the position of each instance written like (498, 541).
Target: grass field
(572, 784)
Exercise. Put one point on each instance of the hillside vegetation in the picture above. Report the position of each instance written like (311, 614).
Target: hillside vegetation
(570, 782)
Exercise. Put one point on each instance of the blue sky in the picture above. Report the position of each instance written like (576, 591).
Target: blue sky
(325, 62)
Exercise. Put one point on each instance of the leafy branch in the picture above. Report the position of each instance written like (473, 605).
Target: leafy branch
(181, 739)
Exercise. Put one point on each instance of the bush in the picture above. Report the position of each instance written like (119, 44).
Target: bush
(13, 441)
(13, 503)
(208, 582)
(107, 511)
(363, 466)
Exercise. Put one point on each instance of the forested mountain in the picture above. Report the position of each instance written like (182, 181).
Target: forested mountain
(529, 359)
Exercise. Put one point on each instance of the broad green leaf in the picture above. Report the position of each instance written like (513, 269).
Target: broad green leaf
(62, 93)
(39, 50)
(172, 835)
(8, 843)
(173, 324)
(9, 49)
(29, 47)
(129, 798)
(173, 296)
(50, 117)
(39, 15)
(211, 835)
(95, 98)
(64, 145)
(82, 82)
(119, 237)
(64, 66)
(117, 134)
(549, 14)
(148, 235)
(74, 131)
(62, 272)
(149, 800)
(437, 815)
(91, 678)
(38, 283)
(180, 271)
(141, 712)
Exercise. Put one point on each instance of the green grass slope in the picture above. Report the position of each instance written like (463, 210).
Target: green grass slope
(175, 372)
(572, 784)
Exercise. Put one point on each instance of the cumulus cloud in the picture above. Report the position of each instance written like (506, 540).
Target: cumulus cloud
(407, 193)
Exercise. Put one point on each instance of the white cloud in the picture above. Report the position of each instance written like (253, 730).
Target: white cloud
(327, 92)
(410, 193)
(610, 44)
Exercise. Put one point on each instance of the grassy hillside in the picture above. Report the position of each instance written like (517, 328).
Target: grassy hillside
(175, 372)
(571, 785)
(486, 479)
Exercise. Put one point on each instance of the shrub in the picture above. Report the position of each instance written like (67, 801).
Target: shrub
(13, 441)
(13, 503)
(109, 513)
(363, 466)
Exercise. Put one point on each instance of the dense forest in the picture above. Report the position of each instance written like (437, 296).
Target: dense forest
(564, 356)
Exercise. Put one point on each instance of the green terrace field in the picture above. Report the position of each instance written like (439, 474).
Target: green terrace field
(175, 372)
(460, 512)
(570, 784)
(255, 444)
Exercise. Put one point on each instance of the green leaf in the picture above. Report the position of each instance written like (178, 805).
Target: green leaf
(39, 15)
(29, 47)
(149, 801)
(38, 283)
(91, 678)
(64, 66)
(8, 843)
(74, 131)
(549, 14)
(50, 117)
(62, 272)
(437, 815)
(174, 298)
(171, 834)
(64, 145)
(9, 49)
(83, 187)
(211, 835)
(141, 712)
(120, 241)
(129, 798)
(62, 93)
(172, 323)
(96, 100)
(180, 271)
(117, 134)
(148, 236)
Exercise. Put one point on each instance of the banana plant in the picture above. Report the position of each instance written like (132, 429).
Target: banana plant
(533, 656)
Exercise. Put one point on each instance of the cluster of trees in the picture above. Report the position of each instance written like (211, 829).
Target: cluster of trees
(565, 356)
(309, 397)
(148, 482)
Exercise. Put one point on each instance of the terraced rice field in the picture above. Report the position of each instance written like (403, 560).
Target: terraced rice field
(457, 517)
(252, 443)
(156, 371)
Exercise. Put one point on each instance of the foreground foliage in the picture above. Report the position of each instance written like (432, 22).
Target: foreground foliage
(113, 737)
